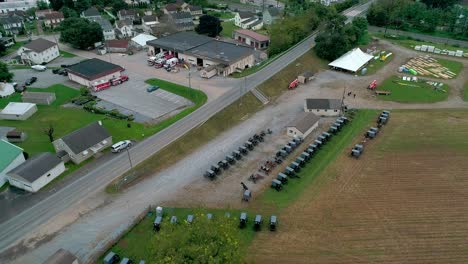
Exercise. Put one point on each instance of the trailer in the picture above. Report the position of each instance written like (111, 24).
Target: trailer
(283, 178)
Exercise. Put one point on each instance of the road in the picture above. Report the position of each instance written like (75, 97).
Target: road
(423, 37)
(14, 229)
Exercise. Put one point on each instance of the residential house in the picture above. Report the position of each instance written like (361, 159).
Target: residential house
(124, 28)
(195, 11)
(39, 51)
(107, 29)
(270, 15)
(7, 41)
(40, 14)
(117, 45)
(243, 16)
(11, 157)
(37, 172)
(53, 19)
(148, 21)
(171, 8)
(18, 13)
(89, 72)
(182, 21)
(12, 25)
(127, 14)
(302, 125)
(252, 38)
(323, 107)
(85, 142)
(91, 13)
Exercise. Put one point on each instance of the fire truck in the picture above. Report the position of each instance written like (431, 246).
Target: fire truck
(103, 84)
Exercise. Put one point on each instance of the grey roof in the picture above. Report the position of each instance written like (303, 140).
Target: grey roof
(35, 167)
(10, 20)
(62, 256)
(37, 95)
(256, 23)
(181, 15)
(90, 12)
(195, 8)
(245, 14)
(125, 12)
(125, 22)
(273, 11)
(150, 18)
(307, 74)
(250, 20)
(85, 137)
(104, 23)
(17, 5)
(221, 52)
(93, 68)
(180, 42)
(304, 121)
(323, 103)
(39, 45)
(183, 25)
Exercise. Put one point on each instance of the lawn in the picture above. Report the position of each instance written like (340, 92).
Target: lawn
(376, 65)
(15, 47)
(221, 15)
(67, 54)
(453, 66)
(465, 92)
(228, 29)
(411, 92)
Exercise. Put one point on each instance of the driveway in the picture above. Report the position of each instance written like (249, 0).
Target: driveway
(133, 95)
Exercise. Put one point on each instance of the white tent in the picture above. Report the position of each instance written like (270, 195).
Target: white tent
(141, 39)
(352, 61)
(6, 89)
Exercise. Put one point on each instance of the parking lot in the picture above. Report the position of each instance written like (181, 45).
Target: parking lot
(132, 95)
(44, 79)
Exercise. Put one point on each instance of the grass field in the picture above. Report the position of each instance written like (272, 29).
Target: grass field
(453, 66)
(376, 65)
(67, 54)
(411, 92)
(228, 29)
(221, 15)
(465, 92)
(403, 201)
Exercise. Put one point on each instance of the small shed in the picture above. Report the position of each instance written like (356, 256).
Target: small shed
(15, 136)
(209, 71)
(305, 77)
(303, 125)
(39, 98)
(18, 111)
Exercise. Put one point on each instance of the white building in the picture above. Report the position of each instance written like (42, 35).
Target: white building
(248, 20)
(6, 89)
(36, 172)
(124, 28)
(18, 111)
(351, 61)
(141, 39)
(323, 107)
(15, 5)
(39, 51)
(11, 157)
(107, 28)
(94, 70)
(303, 125)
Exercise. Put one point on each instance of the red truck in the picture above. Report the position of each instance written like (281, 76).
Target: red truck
(102, 85)
(118, 80)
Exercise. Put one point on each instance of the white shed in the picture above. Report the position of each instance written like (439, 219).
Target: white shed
(18, 111)
(36, 172)
(303, 125)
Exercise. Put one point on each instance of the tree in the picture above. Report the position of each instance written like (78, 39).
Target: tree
(2, 49)
(440, 3)
(203, 241)
(209, 25)
(118, 5)
(31, 12)
(69, 3)
(82, 5)
(50, 132)
(41, 5)
(80, 32)
(68, 12)
(5, 74)
(56, 4)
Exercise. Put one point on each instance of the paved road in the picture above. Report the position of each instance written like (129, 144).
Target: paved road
(12, 230)
(440, 40)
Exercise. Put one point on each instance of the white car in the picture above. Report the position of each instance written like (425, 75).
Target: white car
(39, 67)
(121, 145)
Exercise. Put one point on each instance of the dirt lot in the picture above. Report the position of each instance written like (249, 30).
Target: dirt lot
(403, 201)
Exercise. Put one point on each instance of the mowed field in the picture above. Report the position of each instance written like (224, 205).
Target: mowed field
(403, 201)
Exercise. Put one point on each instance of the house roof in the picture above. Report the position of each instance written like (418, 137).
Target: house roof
(323, 103)
(85, 137)
(273, 11)
(124, 22)
(54, 15)
(182, 25)
(150, 18)
(250, 20)
(104, 23)
(258, 22)
(8, 153)
(195, 8)
(252, 34)
(307, 74)
(117, 43)
(142, 39)
(33, 168)
(19, 13)
(181, 15)
(62, 256)
(125, 12)
(90, 12)
(93, 68)
(10, 20)
(171, 7)
(352, 60)
(181, 41)
(304, 121)
(39, 45)
(221, 52)
(245, 14)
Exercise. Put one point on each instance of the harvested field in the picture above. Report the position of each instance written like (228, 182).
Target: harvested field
(403, 201)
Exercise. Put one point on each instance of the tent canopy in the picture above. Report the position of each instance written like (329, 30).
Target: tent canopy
(352, 61)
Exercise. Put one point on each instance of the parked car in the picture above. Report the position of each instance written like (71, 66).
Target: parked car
(39, 67)
(152, 88)
(31, 81)
(55, 71)
(121, 145)
(63, 72)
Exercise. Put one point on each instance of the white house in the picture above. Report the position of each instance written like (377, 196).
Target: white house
(107, 28)
(124, 28)
(39, 51)
(149, 21)
(248, 20)
(11, 157)
(303, 125)
(18, 111)
(36, 172)
(323, 107)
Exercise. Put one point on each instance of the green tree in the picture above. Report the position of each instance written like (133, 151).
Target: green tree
(41, 5)
(80, 32)
(31, 12)
(82, 5)
(56, 4)
(118, 5)
(203, 241)
(69, 3)
(68, 12)
(440, 3)
(209, 25)
(2, 49)
(5, 74)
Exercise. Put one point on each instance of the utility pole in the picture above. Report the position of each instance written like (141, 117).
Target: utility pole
(129, 159)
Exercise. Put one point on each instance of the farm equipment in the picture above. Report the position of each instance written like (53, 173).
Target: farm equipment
(255, 178)
(293, 84)
(264, 170)
(372, 85)
(210, 174)
(243, 220)
(292, 144)
(300, 161)
(249, 145)
(288, 149)
(290, 172)
(310, 151)
(306, 156)
(278, 160)
(326, 135)
(215, 168)
(230, 159)
(357, 150)
(157, 223)
(243, 150)
(237, 155)
(223, 164)
(247, 195)
(295, 166)
(273, 223)
(283, 178)
(318, 143)
(189, 219)
(333, 129)
(258, 222)
(277, 185)
(322, 138)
